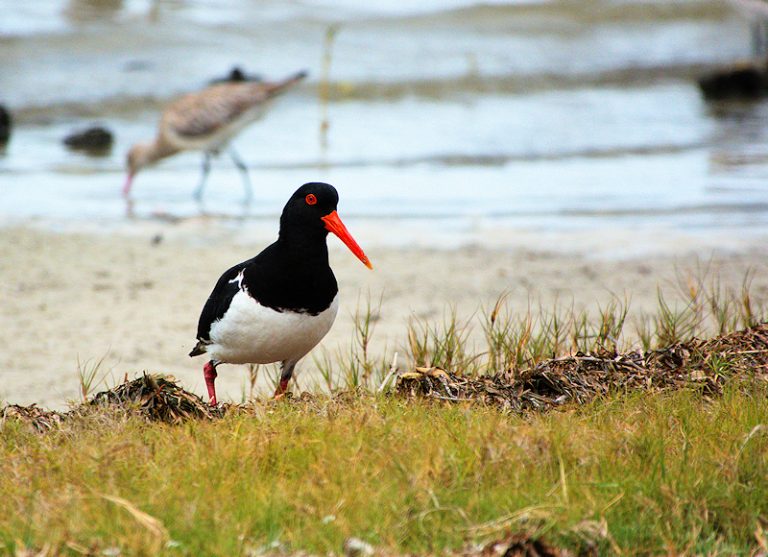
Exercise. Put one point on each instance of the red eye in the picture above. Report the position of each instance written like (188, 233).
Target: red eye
(311, 199)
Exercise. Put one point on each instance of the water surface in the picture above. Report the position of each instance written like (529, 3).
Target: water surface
(555, 125)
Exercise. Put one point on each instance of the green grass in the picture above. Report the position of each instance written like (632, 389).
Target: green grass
(637, 473)
(634, 474)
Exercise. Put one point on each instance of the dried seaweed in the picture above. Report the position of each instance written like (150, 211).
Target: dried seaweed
(703, 364)
(153, 397)
(157, 398)
(518, 545)
(37, 418)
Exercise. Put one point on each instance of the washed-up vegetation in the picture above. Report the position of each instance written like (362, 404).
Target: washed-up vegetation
(634, 473)
(554, 439)
(705, 365)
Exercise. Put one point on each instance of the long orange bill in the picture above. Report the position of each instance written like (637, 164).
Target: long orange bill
(333, 224)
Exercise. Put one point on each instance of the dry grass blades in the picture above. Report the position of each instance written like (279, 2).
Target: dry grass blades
(704, 364)
(158, 398)
(579, 378)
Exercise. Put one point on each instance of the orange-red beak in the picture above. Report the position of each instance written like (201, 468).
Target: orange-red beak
(333, 224)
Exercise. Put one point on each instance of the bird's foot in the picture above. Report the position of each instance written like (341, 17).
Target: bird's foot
(209, 373)
(281, 390)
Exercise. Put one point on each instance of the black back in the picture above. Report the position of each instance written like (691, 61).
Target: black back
(292, 274)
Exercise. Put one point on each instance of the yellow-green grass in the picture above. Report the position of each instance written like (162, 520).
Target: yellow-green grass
(635, 473)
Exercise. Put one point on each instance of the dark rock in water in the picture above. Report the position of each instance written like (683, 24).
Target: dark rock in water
(743, 83)
(235, 75)
(5, 124)
(95, 139)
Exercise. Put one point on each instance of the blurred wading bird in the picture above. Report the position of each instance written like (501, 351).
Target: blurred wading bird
(206, 121)
(277, 306)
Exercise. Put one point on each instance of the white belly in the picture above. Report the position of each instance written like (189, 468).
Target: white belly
(250, 333)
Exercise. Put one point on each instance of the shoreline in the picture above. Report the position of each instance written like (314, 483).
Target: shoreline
(132, 300)
(612, 241)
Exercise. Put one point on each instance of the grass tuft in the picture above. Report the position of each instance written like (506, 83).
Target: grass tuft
(90, 375)
(630, 473)
(516, 341)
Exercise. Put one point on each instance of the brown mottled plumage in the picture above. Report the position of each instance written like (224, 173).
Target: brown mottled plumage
(206, 121)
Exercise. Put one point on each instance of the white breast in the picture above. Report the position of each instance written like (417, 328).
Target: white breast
(250, 333)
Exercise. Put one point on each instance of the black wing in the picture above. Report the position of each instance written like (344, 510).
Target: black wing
(218, 302)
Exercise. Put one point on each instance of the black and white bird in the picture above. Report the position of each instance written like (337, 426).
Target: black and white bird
(277, 306)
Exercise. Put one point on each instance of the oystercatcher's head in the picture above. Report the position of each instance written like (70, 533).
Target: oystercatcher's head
(311, 210)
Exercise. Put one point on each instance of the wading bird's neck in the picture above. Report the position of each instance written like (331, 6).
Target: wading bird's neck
(142, 155)
(160, 148)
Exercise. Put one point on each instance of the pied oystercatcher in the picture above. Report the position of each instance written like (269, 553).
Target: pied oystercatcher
(206, 121)
(277, 306)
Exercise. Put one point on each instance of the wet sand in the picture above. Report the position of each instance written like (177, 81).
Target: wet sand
(132, 300)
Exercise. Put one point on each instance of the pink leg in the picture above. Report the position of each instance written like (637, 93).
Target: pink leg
(209, 372)
(281, 389)
(285, 375)
(127, 186)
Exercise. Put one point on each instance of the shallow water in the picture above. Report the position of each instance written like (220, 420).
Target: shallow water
(555, 125)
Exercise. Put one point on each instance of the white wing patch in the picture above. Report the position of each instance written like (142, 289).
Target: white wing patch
(238, 279)
(250, 333)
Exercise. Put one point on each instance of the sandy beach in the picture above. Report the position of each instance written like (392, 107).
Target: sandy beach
(472, 159)
(132, 300)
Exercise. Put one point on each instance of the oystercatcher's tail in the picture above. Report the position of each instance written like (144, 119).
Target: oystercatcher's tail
(200, 348)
